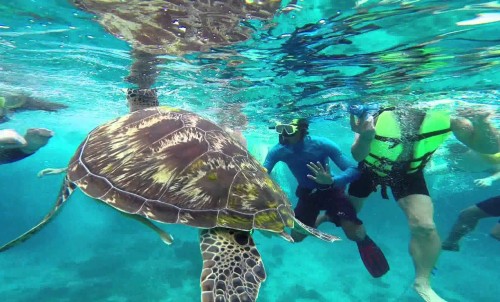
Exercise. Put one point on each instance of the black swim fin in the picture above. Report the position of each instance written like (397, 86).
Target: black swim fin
(373, 257)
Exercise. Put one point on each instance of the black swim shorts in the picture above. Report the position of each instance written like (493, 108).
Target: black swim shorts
(490, 206)
(401, 184)
(333, 201)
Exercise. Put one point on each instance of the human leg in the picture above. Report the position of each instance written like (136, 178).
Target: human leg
(307, 210)
(495, 232)
(353, 231)
(360, 189)
(425, 243)
(341, 212)
(357, 202)
(372, 256)
(466, 222)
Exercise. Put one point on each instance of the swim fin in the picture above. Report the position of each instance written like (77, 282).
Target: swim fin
(373, 257)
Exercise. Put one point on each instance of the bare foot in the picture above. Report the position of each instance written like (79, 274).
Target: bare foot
(424, 290)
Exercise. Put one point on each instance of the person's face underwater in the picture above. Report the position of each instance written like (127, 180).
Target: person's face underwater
(288, 134)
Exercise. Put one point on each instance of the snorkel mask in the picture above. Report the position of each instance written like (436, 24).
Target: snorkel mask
(291, 129)
(286, 129)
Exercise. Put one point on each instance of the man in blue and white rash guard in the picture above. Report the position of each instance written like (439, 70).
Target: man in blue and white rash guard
(307, 158)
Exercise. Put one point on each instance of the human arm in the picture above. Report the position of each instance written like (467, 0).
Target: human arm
(350, 172)
(365, 132)
(475, 130)
(271, 159)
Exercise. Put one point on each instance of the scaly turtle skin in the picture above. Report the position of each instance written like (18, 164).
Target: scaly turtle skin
(177, 27)
(173, 166)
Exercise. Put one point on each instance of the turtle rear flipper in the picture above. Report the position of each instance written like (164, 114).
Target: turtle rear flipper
(164, 236)
(232, 266)
(305, 229)
(66, 190)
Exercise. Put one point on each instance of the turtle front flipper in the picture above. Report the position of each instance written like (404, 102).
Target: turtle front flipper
(232, 266)
(66, 190)
(305, 229)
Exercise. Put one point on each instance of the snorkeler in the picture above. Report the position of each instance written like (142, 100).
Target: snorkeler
(320, 190)
(392, 149)
(14, 147)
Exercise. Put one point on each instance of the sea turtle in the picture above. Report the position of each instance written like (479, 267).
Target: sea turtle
(176, 27)
(173, 166)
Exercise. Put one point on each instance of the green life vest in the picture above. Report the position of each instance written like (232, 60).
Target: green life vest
(387, 145)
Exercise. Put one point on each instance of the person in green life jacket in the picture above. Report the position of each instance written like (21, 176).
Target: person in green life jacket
(392, 148)
(307, 158)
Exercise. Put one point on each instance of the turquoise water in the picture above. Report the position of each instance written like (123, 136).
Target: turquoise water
(311, 60)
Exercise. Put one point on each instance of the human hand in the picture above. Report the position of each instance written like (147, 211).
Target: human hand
(365, 127)
(321, 175)
(484, 182)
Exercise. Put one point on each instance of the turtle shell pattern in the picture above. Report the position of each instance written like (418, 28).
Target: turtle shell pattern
(178, 26)
(174, 166)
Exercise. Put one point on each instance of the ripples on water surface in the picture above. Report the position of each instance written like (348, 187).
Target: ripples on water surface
(310, 56)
